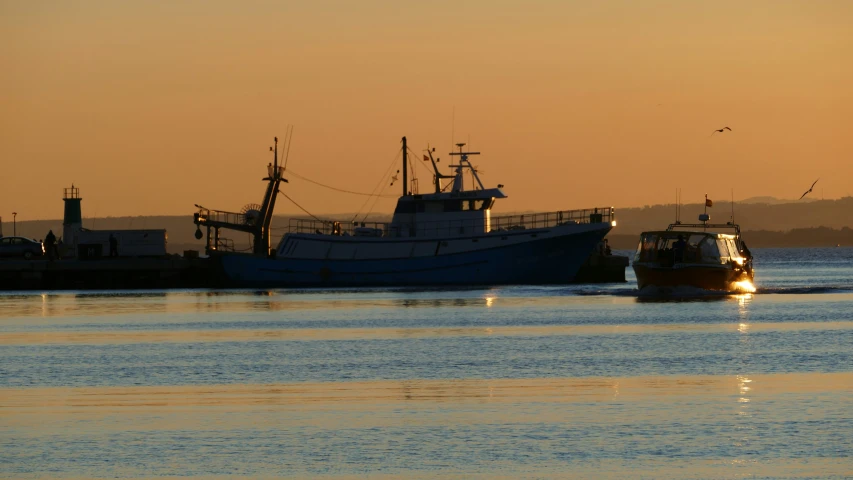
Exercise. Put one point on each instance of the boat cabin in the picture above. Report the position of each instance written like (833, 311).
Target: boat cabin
(670, 247)
(446, 213)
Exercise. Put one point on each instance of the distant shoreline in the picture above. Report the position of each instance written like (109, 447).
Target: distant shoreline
(796, 238)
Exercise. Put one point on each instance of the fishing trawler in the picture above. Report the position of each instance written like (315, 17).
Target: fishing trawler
(446, 237)
(699, 255)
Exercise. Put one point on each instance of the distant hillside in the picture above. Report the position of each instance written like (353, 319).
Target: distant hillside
(799, 237)
(768, 224)
(751, 216)
(774, 200)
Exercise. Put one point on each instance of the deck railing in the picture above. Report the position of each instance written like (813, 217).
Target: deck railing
(218, 216)
(525, 221)
(550, 219)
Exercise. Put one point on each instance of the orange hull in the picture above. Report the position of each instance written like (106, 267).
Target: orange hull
(699, 276)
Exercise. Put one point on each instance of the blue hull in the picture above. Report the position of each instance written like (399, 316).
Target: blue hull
(553, 260)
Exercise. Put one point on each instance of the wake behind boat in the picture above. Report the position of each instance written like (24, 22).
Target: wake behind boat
(447, 237)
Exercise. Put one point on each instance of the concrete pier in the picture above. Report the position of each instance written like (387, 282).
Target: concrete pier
(107, 274)
(174, 272)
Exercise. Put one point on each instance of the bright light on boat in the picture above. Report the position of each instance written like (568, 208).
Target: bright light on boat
(744, 286)
(613, 223)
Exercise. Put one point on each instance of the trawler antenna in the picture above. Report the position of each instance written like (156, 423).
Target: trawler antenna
(289, 143)
(733, 206)
(405, 169)
(453, 125)
(676, 205)
(465, 163)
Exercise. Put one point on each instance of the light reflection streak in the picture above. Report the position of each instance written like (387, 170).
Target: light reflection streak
(743, 382)
(744, 286)
(743, 302)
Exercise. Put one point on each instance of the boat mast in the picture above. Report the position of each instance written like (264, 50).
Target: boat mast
(405, 169)
(464, 163)
(262, 225)
(438, 175)
(259, 227)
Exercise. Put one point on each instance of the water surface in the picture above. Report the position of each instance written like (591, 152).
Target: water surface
(529, 381)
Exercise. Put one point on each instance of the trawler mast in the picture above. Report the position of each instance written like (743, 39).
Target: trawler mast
(258, 225)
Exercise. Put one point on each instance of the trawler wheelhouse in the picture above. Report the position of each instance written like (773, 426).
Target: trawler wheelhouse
(457, 212)
(444, 214)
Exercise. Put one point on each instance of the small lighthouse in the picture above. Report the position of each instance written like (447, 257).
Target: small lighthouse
(72, 222)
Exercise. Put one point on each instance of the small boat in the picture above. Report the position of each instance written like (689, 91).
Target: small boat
(444, 237)
(697, 255)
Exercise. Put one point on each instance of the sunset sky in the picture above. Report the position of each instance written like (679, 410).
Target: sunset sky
(150, 107)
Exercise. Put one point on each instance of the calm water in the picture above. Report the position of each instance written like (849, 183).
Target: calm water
(579, 381)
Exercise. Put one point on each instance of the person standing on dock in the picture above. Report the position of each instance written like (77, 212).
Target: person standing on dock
(50, 245)
(113, 246)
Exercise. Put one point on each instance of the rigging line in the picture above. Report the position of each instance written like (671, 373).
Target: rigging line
(375, 201)
(385, 175)
(289, 141)
(431, 172)
(417, 160)
(300, 207)
(384, 178)
(331, 187)
(364, 218)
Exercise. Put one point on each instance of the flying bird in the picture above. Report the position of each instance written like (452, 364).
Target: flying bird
(721, 130)
(809, 190)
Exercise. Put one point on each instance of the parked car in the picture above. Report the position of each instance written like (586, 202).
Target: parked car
(20, 247)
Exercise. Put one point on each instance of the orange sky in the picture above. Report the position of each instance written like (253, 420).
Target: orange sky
(150, 107)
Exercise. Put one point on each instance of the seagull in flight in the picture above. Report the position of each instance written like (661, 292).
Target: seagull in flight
(721, 130)
(809, 190)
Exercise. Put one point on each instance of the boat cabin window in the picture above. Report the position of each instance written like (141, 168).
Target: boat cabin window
(441, 206)
(733, 250)
(666, 250)
(708, 252)
(476, 204)
(647, 248)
